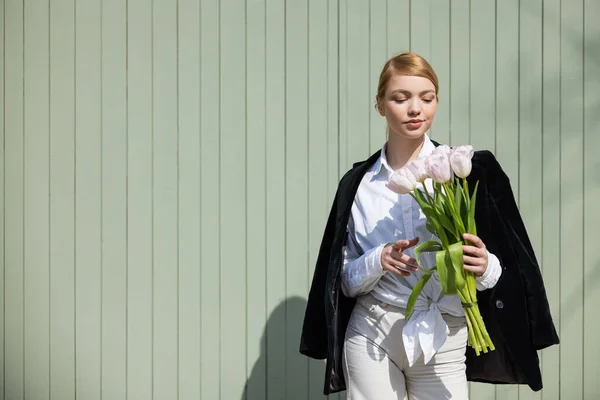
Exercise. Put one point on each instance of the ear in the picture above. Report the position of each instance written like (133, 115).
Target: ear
(379, 107)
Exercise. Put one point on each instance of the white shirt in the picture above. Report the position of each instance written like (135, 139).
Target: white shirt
(380, 216)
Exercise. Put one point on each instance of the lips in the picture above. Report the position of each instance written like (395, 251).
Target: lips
(414, 124)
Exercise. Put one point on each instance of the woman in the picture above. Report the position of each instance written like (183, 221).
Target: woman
(365, 272)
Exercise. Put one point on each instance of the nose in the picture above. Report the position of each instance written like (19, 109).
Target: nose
(414, 107)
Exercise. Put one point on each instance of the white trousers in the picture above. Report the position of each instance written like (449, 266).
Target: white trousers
(376, 367)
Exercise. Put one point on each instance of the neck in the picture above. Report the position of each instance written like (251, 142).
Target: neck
(400, 151)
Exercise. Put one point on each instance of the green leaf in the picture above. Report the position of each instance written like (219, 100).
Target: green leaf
(430, 214)
(441, 213)
(427, 247)
(446, 272)
(421, 199)
(461, 204)
(456, 255)
(415, 294)
(471, 226)
(431, 227)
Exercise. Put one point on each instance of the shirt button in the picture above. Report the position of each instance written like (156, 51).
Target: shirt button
(499, 304)
(406, 211)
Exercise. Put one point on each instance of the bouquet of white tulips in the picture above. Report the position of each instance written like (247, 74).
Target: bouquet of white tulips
(450, 214)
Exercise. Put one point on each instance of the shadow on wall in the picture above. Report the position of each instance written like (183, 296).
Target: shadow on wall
(281, 372)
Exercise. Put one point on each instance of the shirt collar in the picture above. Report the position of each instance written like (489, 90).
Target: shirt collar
(382, 162)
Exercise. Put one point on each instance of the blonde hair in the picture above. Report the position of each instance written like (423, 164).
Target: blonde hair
(408, 63)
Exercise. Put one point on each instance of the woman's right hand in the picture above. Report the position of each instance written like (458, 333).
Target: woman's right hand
(394, 260)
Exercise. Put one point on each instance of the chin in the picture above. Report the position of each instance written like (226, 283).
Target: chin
(416, 134)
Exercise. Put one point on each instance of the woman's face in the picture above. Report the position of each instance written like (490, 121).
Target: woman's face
(409, 105)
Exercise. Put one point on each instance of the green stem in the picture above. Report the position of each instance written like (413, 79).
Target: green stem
(486, 335)
(466, 188)
(455, 213)
(470, 327)
(428, 195)
(478, 328)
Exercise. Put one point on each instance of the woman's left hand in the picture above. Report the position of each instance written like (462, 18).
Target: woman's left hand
(476, 256)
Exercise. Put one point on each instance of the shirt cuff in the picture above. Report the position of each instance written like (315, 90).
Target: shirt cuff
(374, 259)
(491, 275)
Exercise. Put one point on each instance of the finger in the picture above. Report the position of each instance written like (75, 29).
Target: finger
(474, 251)
(405, 259)
(403, 263)
(398, 255)
(475, 240)
(477, 270)
(405, 244)
(474, 261)
(394, 270)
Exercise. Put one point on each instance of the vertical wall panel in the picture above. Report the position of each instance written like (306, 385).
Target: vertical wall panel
(440, 62)
(377, 57)
(233, 193)
(571, 194)
(420, 27)
(2, 208)
(210, 111)
(342, 75)
(549, 253)
(591, 194)
(88, 207)
(296, 191)
(482, 66)
(139, 201)
(459, 72)
(36, 191)
(398, 26)
(317, 160)
(13, 188)
(114, 200)
(357, 82)
(164, 199)
(275, 202)
(507, 87)
(256, 360)
(62, 200)
(333, 99)
(190, 252)
(209, 202)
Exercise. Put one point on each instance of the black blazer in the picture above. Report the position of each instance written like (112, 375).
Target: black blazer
(515, 311)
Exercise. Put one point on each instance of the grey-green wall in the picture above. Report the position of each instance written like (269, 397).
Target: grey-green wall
(167, 168)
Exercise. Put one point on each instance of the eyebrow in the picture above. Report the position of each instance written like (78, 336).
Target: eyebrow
(406, 92)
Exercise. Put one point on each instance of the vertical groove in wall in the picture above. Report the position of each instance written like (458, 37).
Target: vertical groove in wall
(126, 199)
(519, 107)
(3, 198)
(152, 202)
(101, 360)
(177, 195)
(75, 369)
(583, 188)
(246, 179)
(560, 184)
(495, 75)
(449, 97)
(220, 242)
(23, 205)
(49, 174)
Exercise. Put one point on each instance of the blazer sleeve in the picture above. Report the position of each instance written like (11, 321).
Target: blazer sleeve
(313, 339)
(543, 332)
